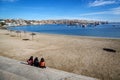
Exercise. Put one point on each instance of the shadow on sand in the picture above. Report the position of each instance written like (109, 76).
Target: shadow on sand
(25, 39)
(109, 50)
(24, 63)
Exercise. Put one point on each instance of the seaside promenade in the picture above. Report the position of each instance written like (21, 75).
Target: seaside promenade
(17, 70)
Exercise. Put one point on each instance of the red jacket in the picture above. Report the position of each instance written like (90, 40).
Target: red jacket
(42, 64)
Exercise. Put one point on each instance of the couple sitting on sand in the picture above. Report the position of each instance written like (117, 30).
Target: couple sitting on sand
(36, 62)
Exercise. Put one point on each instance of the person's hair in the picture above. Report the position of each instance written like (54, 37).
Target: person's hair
(36, 59)
(31, 58)
(42, 60)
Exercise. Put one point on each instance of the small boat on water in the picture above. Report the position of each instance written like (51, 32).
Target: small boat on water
(84, 25)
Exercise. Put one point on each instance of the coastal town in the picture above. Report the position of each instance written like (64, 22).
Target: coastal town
(20, 22)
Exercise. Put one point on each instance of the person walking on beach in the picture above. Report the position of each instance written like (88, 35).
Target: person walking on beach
(42, 63)
(30, 61)
(36, 62)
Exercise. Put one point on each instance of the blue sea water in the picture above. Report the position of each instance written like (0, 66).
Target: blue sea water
(111, 30)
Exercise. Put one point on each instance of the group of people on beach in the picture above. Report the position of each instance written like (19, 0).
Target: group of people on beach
(35, 62)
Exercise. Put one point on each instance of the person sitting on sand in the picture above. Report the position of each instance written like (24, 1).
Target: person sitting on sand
(30, 61)
(42, 63)
(36, 62)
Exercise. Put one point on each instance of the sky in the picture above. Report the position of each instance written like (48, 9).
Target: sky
(102, 10)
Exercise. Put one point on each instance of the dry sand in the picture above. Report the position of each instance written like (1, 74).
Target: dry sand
(81, 55)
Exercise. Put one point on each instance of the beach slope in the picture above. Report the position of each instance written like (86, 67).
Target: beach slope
(17, 70)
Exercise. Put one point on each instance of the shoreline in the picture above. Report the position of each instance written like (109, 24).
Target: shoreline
(78, 36)
(69, 35)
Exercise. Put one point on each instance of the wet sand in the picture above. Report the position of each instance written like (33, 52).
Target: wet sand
(81, 55)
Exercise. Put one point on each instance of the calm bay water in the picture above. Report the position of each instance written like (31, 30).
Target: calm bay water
(111, 30)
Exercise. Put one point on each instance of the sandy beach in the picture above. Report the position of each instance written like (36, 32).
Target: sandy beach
(76, 54)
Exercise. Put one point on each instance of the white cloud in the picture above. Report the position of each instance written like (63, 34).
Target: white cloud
(101, 3)
(95, 13)
(9, 0)
(116, 10)
(113, 11)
